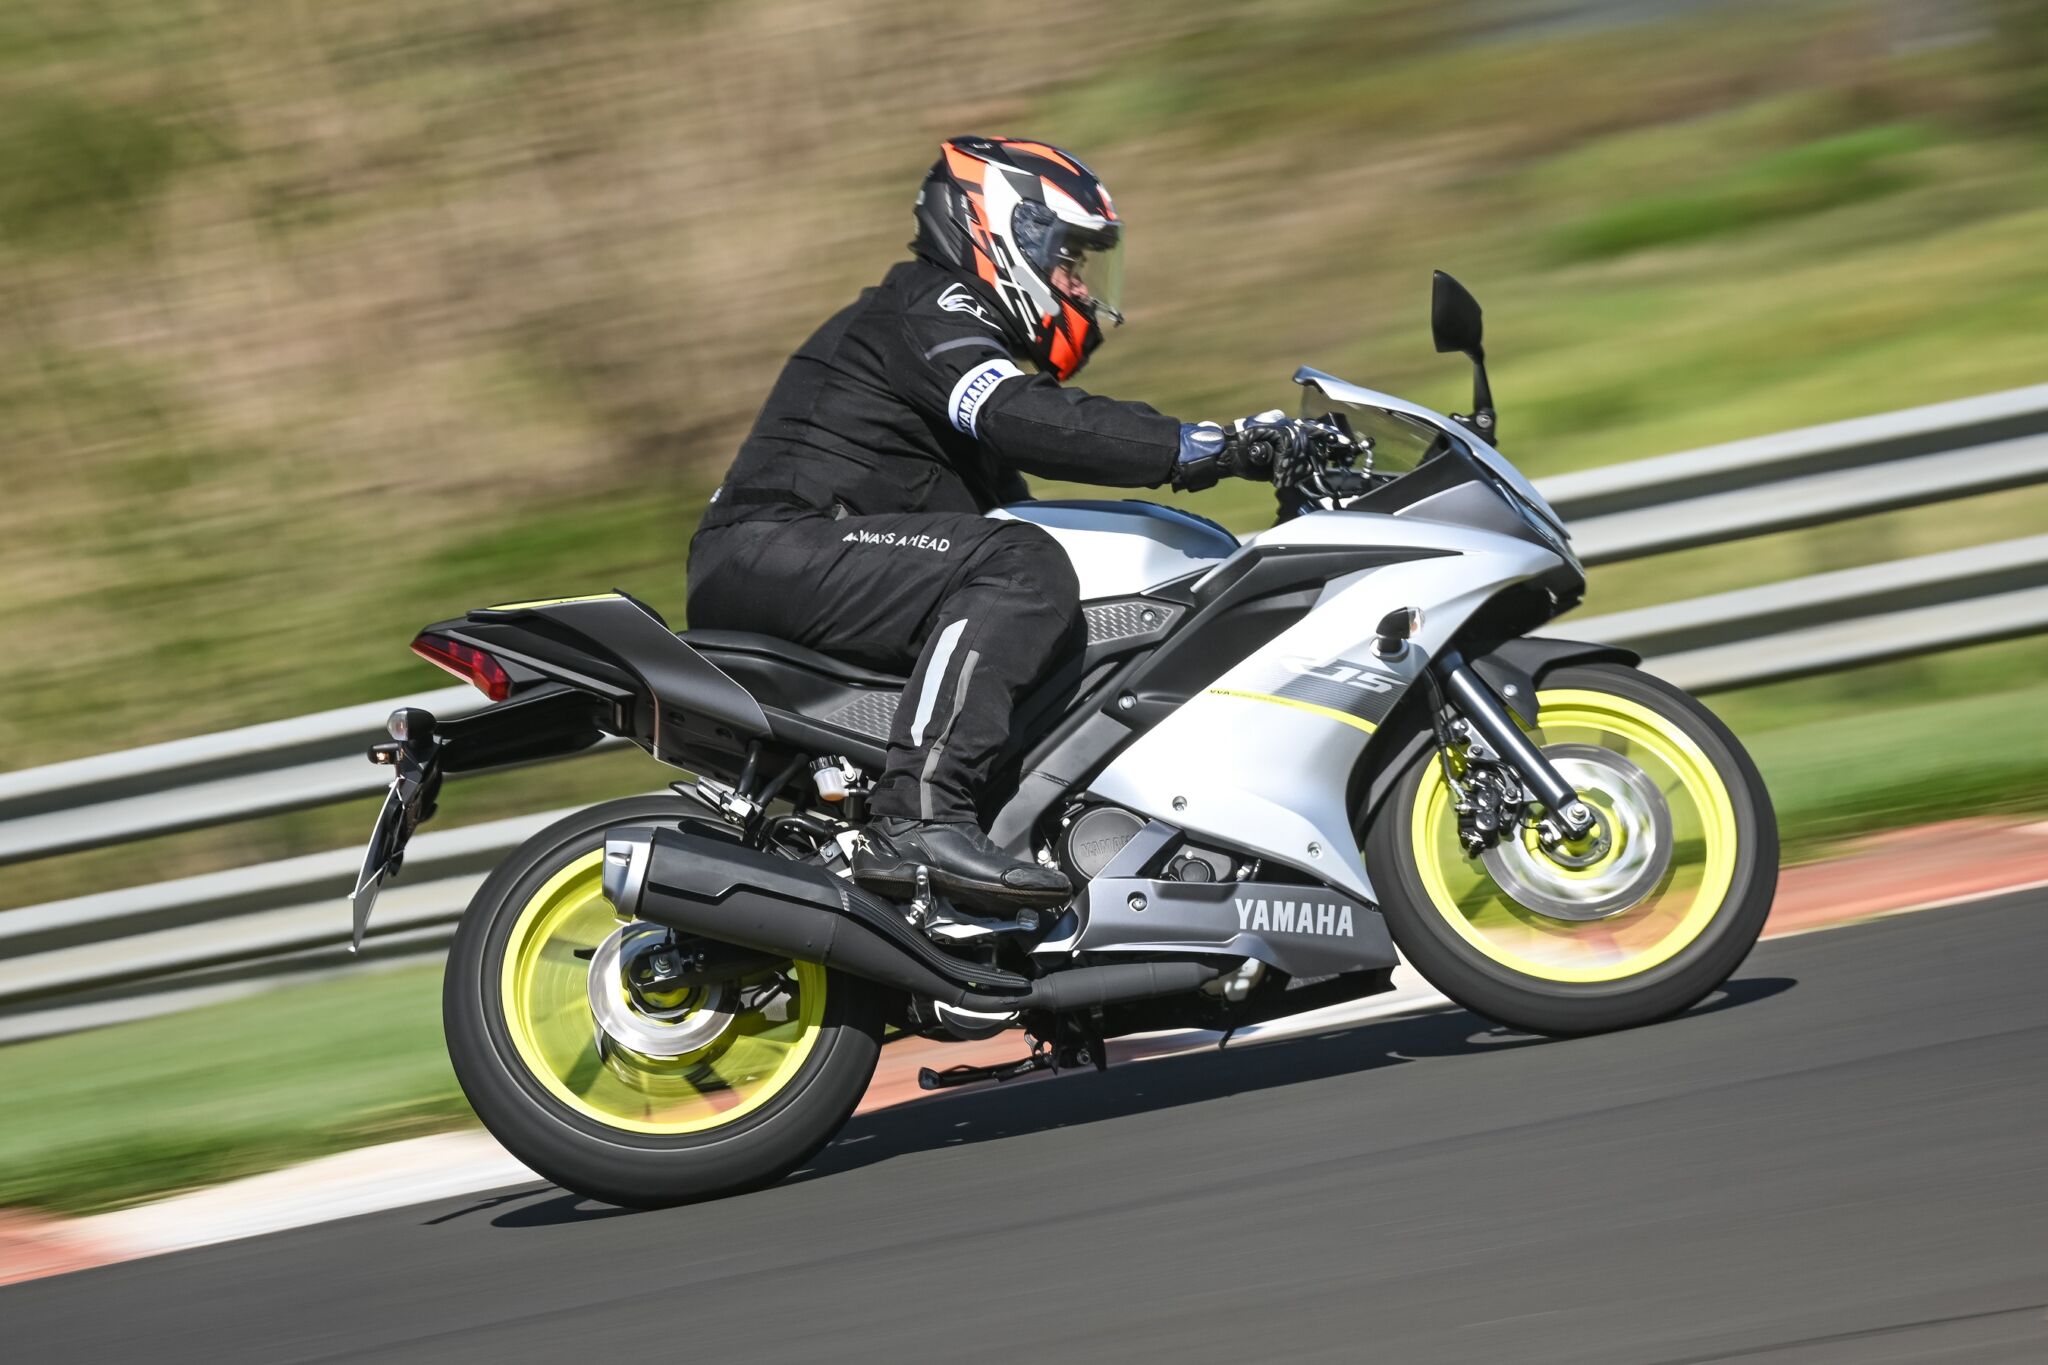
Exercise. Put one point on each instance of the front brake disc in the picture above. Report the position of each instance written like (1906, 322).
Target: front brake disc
(1601, 882)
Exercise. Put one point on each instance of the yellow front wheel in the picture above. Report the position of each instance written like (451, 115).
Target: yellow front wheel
(633, 1096)
(1630, 926)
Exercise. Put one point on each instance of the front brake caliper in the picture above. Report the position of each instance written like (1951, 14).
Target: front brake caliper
(1490, 798)
(1489, 808)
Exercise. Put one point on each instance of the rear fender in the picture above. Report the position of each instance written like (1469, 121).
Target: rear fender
(545, 722)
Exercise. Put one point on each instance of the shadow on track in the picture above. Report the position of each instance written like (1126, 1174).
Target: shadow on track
(1134, 1088)
(1192, 1078)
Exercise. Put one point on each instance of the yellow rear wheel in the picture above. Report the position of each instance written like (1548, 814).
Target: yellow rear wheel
(712, 1059)
(640, 1101)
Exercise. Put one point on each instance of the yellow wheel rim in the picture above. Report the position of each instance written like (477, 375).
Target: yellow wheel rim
(544, 987)
(1634, 938)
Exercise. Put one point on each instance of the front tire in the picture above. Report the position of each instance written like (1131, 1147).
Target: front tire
(733, 1087)
(1645, 929)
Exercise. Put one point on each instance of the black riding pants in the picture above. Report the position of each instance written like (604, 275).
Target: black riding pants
(983, 608)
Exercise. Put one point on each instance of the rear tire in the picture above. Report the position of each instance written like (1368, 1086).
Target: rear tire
(764, 1091)
(1668, 919)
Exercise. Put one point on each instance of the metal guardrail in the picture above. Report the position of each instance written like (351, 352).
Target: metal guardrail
(206, 780)
(197, 938)
(1843, 619)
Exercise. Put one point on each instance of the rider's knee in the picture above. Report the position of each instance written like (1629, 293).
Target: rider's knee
(1029, 557)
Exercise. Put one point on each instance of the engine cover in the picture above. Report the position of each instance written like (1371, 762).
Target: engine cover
(1097, 835)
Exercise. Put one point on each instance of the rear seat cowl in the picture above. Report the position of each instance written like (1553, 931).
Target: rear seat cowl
(716, 642)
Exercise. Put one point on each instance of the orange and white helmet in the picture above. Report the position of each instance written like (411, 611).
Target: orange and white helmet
(1037, 230)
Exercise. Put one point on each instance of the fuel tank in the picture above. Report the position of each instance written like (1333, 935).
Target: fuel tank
(1122, 548)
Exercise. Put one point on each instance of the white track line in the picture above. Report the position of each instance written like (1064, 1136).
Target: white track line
(390, 1175)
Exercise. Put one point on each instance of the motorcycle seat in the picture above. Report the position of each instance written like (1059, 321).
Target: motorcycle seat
(716, 644)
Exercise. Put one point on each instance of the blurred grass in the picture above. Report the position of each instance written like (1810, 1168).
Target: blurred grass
(1835, 771)
(102, 1119)
(79, 170)
(1810, 178)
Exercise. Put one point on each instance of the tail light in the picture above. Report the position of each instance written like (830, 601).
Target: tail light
(466, 662)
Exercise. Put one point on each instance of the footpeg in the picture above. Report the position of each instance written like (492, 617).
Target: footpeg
(1073, 1050)
(921, 899)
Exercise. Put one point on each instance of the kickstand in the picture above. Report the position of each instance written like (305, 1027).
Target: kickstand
(928, 1079)
(1224, 1041)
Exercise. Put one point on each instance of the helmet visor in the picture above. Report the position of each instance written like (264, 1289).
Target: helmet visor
(1083, 262)
(1090, 269)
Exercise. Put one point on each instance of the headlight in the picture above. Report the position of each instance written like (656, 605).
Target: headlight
(1545, 531)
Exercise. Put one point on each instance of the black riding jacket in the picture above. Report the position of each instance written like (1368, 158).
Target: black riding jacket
(913, 400)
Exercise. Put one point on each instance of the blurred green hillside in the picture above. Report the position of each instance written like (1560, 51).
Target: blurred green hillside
(321, 322)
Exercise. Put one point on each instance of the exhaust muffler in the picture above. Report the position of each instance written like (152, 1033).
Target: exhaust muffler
(704, 886)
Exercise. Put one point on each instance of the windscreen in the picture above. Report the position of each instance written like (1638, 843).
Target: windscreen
(1399, 443)
(1405, 434)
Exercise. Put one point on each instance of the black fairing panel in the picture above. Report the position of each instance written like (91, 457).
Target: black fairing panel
(1239, 608)
(812, 710)
(548, 721)
(835, 706)
(1521, 664)
(680, 698)
(781, 685)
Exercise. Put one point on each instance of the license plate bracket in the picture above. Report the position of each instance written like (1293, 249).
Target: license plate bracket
(407, 804)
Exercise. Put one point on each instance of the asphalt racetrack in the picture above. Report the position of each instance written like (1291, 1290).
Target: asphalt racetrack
(1845, 1158)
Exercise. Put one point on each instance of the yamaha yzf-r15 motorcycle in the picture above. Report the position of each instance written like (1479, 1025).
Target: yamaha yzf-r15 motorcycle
(1280, 765)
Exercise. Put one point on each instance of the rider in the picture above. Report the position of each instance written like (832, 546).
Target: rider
(852, 520)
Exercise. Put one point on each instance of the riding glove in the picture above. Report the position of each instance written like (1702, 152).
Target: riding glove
(1249, 448)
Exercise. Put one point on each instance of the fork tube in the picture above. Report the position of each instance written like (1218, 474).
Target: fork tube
(1476, 702)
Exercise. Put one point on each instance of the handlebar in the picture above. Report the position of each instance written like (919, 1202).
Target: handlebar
(1321, 463)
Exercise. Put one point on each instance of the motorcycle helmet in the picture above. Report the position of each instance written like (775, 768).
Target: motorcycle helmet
(1037, 230)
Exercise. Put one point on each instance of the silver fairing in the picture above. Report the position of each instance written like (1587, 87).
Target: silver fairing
(1268, 772)
(1123, 548)
(1303, 931)
(1261, 760)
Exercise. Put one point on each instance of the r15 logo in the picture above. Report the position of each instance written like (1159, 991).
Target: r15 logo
(1361, 676)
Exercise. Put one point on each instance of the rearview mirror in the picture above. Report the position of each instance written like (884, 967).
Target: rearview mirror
(1455, 320)
(1454, 317)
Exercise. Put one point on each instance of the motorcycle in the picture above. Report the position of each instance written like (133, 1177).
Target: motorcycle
(1279, 767)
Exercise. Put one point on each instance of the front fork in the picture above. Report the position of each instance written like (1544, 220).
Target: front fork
(1567, 818)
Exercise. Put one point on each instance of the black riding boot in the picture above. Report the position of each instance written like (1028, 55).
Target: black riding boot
(959, 859)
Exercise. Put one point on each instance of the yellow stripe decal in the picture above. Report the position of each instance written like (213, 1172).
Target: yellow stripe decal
(551, 602)
(1345, 717)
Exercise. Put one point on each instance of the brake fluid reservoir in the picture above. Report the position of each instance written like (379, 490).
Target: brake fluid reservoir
(830, 779)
